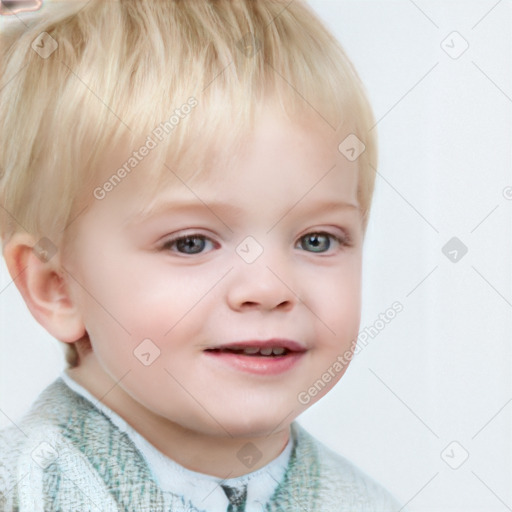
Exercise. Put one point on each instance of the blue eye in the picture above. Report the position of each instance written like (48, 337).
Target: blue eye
(318, 242)
(193, 244)
(190, 244)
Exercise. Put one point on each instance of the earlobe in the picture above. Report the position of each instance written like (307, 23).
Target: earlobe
(39, 279)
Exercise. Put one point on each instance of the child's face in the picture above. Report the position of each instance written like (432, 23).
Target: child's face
(132, 281)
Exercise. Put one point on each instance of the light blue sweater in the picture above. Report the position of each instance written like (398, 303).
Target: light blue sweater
(67, 456)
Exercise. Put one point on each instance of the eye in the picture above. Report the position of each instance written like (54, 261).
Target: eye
(319, 242)
(189, 244)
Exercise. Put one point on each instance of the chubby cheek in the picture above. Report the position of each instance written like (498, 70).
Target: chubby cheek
(143, 295)
(132, 304)
(337, 304)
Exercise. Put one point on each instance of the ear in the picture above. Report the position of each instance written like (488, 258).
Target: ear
(34, 268)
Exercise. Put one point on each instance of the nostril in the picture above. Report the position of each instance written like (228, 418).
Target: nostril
(286, 304)
(250, 304)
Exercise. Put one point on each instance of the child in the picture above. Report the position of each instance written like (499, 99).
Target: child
(185, 190)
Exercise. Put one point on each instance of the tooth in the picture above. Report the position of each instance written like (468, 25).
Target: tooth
(251, 350)
(278, 351)
(266, 351)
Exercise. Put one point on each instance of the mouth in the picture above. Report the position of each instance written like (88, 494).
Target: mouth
(268, 357)
(254, 351)
(267, 348)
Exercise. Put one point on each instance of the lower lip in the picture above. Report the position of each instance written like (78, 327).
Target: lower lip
(261, 365)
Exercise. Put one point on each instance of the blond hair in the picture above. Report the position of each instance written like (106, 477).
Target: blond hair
(86, 76)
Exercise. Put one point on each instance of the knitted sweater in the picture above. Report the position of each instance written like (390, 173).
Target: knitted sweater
(67, 456)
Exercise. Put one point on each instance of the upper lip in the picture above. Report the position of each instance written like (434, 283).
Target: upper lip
(292, 346)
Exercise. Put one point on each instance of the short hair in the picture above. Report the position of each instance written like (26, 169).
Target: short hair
(87, 76)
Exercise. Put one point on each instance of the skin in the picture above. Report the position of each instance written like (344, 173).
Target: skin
(123, 280)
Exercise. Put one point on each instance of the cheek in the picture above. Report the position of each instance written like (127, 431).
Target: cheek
(143, 297)
(337, 304)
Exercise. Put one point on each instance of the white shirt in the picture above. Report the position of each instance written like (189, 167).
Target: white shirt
(202, 490)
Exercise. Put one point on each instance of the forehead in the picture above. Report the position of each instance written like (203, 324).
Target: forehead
(276, 160)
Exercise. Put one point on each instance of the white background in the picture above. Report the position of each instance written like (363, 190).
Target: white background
(441, 370)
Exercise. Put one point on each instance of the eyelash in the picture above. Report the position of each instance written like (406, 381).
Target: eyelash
(343, 241)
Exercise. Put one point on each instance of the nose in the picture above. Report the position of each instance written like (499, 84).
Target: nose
(257, 286)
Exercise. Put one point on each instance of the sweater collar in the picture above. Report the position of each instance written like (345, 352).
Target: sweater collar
(125, 472)
(202, 490)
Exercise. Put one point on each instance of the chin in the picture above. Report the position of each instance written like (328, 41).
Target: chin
(258, 425)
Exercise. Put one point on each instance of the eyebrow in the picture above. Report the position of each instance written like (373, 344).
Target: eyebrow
(318, 206)
(169, 206)
(217, 207)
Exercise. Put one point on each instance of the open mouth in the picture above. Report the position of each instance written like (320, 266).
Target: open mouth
(254, 351)
(265, 358)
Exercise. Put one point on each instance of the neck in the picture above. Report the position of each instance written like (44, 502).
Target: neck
(196, 451)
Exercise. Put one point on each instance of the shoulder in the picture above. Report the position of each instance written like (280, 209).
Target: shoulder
(19, 441)
(41, 423)
(36, 451)
(342, 486)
